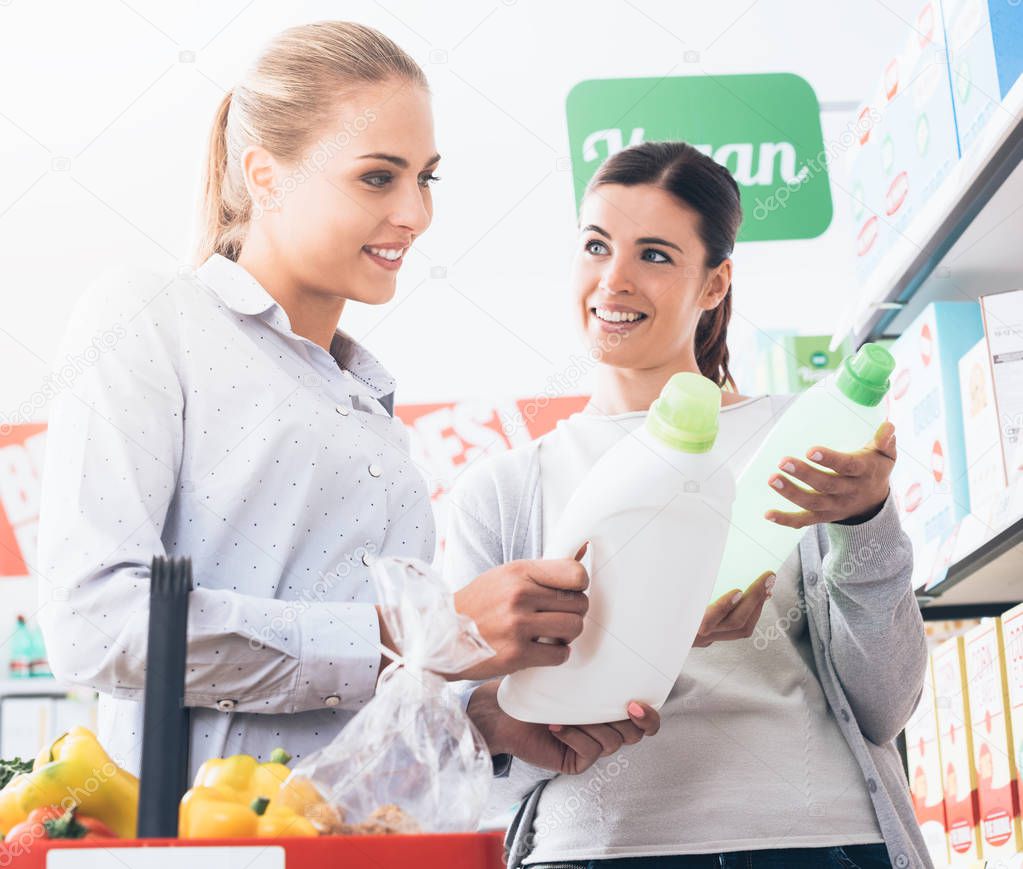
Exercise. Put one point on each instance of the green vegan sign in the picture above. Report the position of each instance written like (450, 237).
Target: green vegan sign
(764, 128)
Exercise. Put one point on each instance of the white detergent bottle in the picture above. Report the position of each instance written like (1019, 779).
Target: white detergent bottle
(842, 413)
(655, 510)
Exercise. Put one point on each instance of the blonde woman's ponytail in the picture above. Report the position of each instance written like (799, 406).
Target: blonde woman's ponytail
(283, 103)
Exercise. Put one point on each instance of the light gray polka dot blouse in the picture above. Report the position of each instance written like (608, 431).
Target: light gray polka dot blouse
(199, 424)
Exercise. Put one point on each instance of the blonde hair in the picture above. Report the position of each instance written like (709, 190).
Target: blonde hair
(285, 99)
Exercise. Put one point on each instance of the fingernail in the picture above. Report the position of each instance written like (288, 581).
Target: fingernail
(636, 711)
(777, 483)
(789, 468)
(769, 583)
(736, 598)
(816, 456)
(554, 728)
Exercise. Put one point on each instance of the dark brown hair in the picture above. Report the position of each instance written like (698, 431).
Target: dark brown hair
(709, 189)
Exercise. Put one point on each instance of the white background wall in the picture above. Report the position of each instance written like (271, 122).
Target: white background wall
(103, 123)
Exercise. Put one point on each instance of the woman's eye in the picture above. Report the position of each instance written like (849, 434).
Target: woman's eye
(651, 252)
(380, 179)
(428, 179)
(595, 247)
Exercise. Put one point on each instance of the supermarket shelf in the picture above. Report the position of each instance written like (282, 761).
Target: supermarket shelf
(985, 170)
(38, 687)
(991, 576)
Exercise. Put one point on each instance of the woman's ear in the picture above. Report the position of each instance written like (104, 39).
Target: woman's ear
(716, 286)
(259, 169)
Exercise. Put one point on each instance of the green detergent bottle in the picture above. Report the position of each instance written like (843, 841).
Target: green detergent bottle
(841, 412)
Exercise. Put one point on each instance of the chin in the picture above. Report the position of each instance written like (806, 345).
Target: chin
(378, 296)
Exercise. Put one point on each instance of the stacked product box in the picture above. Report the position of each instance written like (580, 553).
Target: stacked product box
(956, 744)
(985, 466)
(1003, 329)
(929, 480)
(923, 761)
(1012, 642)
(906, 141)
(993, 757)
(985, 52)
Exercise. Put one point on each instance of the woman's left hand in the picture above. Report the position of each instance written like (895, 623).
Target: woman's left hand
(854, 488)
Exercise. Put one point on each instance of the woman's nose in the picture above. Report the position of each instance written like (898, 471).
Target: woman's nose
(412, 212)
(616, 280)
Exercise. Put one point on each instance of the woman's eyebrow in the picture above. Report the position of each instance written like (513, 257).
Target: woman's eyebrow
(645, 240)
(665, 242)
(400, 162)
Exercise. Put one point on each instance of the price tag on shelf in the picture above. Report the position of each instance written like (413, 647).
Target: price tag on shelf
(211, 857)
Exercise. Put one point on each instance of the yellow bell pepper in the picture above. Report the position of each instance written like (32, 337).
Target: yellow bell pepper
(75, 771)
(217, 813)
(213, 813)
(244, 776)
(280, 821)
(11, 812)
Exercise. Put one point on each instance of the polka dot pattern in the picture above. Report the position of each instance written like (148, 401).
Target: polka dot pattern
(212, 430)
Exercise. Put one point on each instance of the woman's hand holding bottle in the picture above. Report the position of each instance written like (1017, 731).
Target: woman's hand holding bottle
(516, 603)
(852, 488)
(564, 749)
(734, 615)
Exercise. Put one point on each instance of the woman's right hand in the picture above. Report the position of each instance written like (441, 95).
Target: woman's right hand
(518, 602)
(734, 616)
(569, 749)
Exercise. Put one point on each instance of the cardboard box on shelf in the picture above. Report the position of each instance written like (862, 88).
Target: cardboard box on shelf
(993, 755)
(907, 141)
(985, 464)
(929, 480)
(985, 52)
(923, 762)
(1012, 638)
(1003, 328)
(955, 739)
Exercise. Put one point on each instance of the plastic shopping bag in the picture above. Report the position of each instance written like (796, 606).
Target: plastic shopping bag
(410, 760)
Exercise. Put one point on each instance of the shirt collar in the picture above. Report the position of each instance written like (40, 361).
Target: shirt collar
(242, 293)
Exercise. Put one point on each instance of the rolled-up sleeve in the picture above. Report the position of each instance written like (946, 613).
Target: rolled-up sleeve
(114, 451)
(878, 647)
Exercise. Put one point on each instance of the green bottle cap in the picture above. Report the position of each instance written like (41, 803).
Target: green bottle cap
(685, 417)
(863, 377)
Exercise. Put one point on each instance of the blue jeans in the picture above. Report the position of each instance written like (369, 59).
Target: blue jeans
(844, 857)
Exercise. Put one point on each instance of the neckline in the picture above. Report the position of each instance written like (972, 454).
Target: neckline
(635, 414)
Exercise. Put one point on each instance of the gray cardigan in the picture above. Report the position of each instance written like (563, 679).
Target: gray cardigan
(864, 621)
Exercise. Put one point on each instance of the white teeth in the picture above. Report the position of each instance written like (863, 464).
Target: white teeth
(617, 316)
(387, 253)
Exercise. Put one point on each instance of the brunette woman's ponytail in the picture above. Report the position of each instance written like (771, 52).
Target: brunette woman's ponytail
(707, 187)
(712, 342)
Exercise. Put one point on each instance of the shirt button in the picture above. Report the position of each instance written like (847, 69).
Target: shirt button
(226, 705)
(375, 470)
(341, 409)
(811, 578)
(332, 700)
(902, 861)
(845, 714)
(871, 785)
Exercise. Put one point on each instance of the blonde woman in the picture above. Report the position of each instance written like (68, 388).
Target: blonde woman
(234, 423)
(777, 748)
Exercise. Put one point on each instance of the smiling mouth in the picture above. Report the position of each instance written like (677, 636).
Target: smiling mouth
(618, 318)
(389, 258)
(391, 254)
